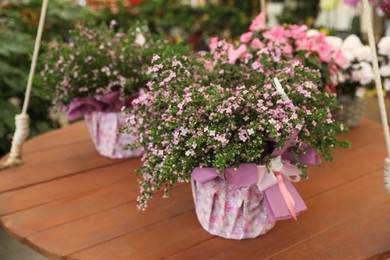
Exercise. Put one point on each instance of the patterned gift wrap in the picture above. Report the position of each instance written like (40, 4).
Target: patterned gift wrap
(104, 128)
(230, 212)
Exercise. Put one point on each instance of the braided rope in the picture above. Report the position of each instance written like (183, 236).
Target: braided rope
(379, 90)
(22, 120)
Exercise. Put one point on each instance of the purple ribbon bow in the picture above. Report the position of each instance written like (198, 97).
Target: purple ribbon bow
(309, 157)
(106, 103)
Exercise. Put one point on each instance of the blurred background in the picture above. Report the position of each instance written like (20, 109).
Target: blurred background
(190, 21)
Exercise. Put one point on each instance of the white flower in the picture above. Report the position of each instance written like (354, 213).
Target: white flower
(386, 84)
(385, 70)
(384, 46)
(139, 38)
(360, 92)
(349, 56)
(362, 73)
(312, 32)
(335, 42)
(351, 43)
(363, 53)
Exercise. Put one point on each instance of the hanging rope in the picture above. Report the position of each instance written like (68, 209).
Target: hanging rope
(263, 6)
(22, 120)
(379, 90)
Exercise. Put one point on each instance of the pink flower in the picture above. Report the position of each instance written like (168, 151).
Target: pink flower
(213, 44)
(257, 44)
(155, 58)
(351, 2)
(277, 34)
(287, 49)
(234, 54)
(258, 23)
(246, 37)
(340, 59)
(298, 32)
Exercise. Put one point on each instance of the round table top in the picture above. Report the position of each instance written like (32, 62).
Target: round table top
(68, 202)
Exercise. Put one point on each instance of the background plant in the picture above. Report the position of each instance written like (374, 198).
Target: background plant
(18, 23)
(98, 61)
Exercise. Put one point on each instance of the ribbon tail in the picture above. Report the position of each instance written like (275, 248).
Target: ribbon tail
(289, 200)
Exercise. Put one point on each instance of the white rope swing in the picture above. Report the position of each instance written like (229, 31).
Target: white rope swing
(379, 90)
(22, 120)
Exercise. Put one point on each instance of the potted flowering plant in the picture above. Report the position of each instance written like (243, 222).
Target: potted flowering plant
(239, 131)
(94, 75)
(354, 79)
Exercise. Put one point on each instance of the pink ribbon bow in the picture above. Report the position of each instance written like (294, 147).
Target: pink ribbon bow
(272, 182)
(282, 199)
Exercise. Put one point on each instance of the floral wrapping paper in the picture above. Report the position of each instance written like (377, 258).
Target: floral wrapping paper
(104, 127)
(231, 213)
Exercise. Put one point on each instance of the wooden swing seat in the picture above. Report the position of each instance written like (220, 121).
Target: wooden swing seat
(67, 202)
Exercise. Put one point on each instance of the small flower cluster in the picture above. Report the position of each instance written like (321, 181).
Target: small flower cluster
(295, 42)
(96, 62)
(212, 112)
(384, 5)
(357, 74)
(384, 52)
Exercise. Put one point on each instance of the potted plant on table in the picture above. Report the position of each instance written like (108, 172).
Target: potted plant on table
(240, 127)
(384, 52)
(95, 75)
(355, 78)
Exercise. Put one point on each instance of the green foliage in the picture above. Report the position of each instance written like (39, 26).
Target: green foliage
(182, 22)
(18, 26)
(299, 12)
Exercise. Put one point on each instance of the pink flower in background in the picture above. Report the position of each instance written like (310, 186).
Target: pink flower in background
(287, 49)
(317, 44)
(355, 2)
(246, 37)
(213, 43)
(352, 2)
(277, 34)
(234, 54)
(325, 52)
(340, 59)
(258, 23)
(385, 6)
(299, 32)
(257, 44)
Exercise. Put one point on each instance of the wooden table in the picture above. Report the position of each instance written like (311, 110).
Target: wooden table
(68, 202)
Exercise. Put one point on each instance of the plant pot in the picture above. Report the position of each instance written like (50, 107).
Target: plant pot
(350, 112)
(233, 213)
(104, 129)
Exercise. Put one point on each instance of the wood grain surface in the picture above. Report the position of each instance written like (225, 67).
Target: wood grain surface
(67, 202)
